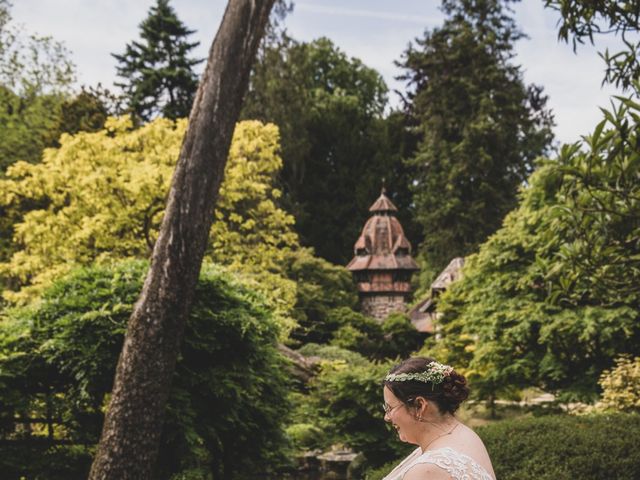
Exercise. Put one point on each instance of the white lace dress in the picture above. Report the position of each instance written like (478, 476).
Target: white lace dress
(458, 465)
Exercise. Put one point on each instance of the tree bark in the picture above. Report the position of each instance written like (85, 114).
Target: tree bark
(130, 437)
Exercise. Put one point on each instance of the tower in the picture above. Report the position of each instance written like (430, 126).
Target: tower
(382, 265)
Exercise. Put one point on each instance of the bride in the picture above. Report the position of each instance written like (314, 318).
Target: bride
(420, 400)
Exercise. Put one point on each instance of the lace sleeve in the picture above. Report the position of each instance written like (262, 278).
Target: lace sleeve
(456, 464)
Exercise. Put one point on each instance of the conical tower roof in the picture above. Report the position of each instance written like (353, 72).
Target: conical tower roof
(383, 204)
(382, 244)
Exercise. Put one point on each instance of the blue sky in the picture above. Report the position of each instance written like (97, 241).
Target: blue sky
(376, 31)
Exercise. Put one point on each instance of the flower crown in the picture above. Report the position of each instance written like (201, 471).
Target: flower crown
(435, 374)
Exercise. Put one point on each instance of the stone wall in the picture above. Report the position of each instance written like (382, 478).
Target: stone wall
(381, 306)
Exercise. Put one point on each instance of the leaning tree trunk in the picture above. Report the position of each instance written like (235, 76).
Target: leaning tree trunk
(131, 433)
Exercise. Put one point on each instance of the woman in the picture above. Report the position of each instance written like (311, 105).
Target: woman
(420, 400)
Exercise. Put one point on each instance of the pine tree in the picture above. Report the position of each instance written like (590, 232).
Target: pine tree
(158, 74)
(479, 127)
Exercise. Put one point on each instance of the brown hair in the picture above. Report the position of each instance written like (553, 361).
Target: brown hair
(447, 395)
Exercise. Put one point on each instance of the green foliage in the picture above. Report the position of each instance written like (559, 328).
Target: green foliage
(551, 299)
(558, 448)
(252, 234)
(586, 19)
(87, 110)
(36, 101)
(29, 123)
(400, 337)
(35, 123)
(345, 403)
(227, 396)
(305, 436)
(100, 197)
(158, 74)
(349, 330)
(35, 78)
(395, 337)
(621, 386)
(37, 106)
(336, 146)
(379, 473)
(96, 198)
(45, 462)
(479, 128)
(333, 352)
(321, 288)
(354, 331)
(565, 447)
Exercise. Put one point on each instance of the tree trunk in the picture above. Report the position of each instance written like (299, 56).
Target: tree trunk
(131, 432)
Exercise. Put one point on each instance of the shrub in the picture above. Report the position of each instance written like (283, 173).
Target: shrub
(347, 399)
(621, 386)
(320, 288)
(40, 461)
(333, 352)
(305, 436)
(228, 395)
(355, 331)
(380, 472)
(563, 447)
(559, 447)
(400, 336)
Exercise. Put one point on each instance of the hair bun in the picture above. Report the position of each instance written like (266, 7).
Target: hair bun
(454, 391)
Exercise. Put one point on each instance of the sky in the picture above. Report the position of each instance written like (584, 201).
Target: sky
(375, 31)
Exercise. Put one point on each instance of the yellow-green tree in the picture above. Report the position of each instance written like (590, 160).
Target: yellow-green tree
(100, 197)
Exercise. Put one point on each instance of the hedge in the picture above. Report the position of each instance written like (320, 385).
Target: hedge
(560, 447)
(565, 447)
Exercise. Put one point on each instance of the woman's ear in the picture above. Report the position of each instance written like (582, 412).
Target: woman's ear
(422, 406)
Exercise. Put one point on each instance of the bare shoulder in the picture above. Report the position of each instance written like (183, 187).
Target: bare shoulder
(470, 444)
(424, 471)
(469, 435)
(465, 441)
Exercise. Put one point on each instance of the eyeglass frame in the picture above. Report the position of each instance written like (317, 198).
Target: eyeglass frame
(388, 408)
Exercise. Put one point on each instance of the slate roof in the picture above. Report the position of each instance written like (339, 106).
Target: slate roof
(424, 313)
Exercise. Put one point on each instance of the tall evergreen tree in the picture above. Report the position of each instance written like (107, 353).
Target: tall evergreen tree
(479, 127)
(158, 74)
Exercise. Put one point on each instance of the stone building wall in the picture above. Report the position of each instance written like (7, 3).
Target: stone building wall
(381, 306)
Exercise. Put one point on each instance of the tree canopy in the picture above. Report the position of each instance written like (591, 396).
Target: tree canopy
(35, 79)
(100, 198)
(551, 298)
(337, 147)
(58, 357)
(479, 127)
(157, 71)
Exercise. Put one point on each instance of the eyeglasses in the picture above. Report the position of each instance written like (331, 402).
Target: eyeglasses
(388, 408)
